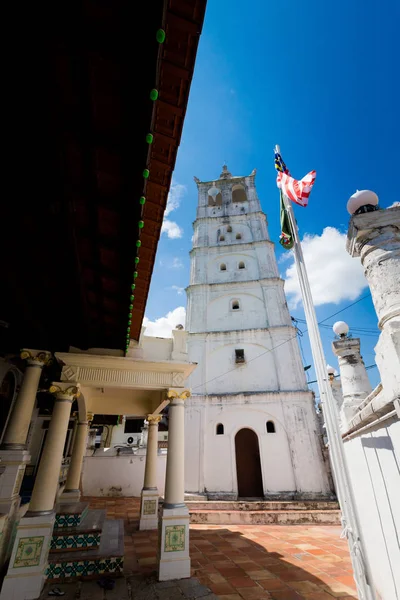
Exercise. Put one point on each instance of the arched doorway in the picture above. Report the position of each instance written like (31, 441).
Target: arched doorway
(248, 465)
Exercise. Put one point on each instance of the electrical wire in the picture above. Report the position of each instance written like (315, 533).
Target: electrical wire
(281, 344)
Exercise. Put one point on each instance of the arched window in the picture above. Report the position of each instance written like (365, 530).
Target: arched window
(238, 236)
(242, 265)
(220, 429)
(222, 267)
(214, 196)
(270, 427)
(229, 229)
(235, 305)
(238, 193)
(221, 238)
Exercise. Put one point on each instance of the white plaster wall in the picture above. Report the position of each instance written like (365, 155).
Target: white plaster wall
(374, 464)
(155, 348)
(118, 475)
(291, 458)
(264, 370)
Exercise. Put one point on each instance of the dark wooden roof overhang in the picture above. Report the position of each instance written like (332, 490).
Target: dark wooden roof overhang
(70, 227)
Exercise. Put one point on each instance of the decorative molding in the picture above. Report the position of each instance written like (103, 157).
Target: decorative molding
(154, 419)
(36, 357)
(65, 391)
(178, 379)
(70, 373)
(173, 394)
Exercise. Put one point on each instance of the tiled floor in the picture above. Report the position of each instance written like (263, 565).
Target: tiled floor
(247, 561)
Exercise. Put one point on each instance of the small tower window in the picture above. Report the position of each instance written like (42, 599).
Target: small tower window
(221, 238)
(229, 229)
(238, 194)
(223, 267)
(220, 429)
(238, 236)
(239, 356)
(270, 427)
(235, 305)
(242, 265)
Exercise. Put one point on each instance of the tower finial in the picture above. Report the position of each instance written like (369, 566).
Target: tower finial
(225, 173)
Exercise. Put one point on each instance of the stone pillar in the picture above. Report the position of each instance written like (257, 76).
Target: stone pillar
(18, 425)
(72, 492)
(27, 569)
(13, 454)
(353, 375)
(149, 499)
(174, 559)
(375, 238)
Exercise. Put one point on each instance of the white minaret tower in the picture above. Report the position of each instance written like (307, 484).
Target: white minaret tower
(251, 426)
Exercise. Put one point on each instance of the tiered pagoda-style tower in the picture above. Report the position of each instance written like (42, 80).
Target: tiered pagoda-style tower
(251, 425)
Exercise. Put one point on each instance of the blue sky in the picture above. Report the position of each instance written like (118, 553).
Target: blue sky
(319, 78)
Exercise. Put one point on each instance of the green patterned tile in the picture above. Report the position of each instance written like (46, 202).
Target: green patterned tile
(28, 552)
(149, 507)
(174, 538)
(75, 541)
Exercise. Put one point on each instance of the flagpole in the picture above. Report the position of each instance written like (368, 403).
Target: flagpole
(350, 520)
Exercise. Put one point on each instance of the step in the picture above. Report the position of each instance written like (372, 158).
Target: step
(107, 559)
(263, 505)
(265, 517)
(86, 535)
(71, 514)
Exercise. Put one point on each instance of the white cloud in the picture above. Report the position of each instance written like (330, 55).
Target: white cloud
(334, 275)
(176, 193)
(178, 290)
(176, 263)
(394, 204)
(163, 326)
(172, 229)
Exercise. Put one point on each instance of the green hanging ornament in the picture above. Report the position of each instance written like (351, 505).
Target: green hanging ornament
(153, 94)
(160, 36)
(142, 200)
(149, 138)
(138, 244)
(141, 224)
(137, 259)
(146, 173)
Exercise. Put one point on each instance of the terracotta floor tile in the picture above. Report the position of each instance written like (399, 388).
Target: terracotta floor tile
(259, 575)
(272, 584)
(253, 593)
(229, 597)
(229, 572)
(286, 594)
(239, 582)
(217, 578)
(221, 588)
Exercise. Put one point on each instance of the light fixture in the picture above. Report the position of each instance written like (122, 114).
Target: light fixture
(362, 201)
(341, 329)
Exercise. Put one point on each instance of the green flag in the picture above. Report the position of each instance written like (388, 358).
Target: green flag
(286, 237)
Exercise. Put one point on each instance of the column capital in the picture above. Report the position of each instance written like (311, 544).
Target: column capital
(178, 394)
(36, 358)
(65, 391)
(346, 346)
(154, 419)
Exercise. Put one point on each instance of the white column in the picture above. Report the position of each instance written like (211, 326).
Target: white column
(174, 559)
(18, 425)
(353, 375)
(72, 492)
(13, 454)
(149, 498)
(47, 478)
(29, 558)
(375, 238)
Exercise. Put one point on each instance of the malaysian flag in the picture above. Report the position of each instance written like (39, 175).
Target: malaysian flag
(296, 190)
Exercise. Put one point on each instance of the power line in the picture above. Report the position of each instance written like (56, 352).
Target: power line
(336, 376)
(281, 344)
